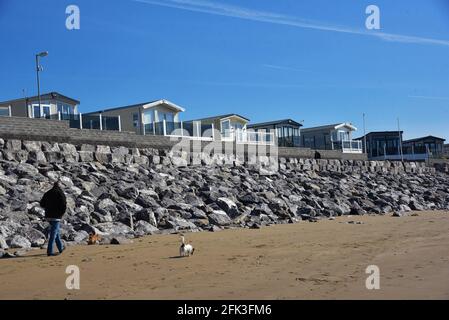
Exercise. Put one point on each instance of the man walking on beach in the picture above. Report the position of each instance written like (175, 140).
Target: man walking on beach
(55, 204)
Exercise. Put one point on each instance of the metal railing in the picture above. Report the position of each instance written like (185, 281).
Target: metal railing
(84, 121)
(254, 137)
(183, 129)
(348, 146)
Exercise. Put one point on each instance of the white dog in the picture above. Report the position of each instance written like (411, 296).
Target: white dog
(186, 250)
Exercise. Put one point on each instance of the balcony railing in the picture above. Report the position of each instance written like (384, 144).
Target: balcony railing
(255, 137)
(198, 131)
(186, 129)
(348, 146)
(81, 121)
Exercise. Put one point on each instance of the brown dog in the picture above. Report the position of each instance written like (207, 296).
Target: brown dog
(93, 239)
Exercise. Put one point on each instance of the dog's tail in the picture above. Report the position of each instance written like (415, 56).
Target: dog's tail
(182, 240)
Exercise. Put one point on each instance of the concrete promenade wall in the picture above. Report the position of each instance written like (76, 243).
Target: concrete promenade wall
(59, 131)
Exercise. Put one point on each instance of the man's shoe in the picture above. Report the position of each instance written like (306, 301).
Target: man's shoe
(53, 254)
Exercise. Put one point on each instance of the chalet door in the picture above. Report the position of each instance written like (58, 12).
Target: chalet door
(326, 138)
(36, 111)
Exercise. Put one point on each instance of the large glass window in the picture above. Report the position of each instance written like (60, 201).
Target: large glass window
(226, 128)
(334, 136)
(167, 116)
(296, 132)
(4, 112)
(343, 135)
(65, 109)
(279, 132)
(238, 126)
(148, 116)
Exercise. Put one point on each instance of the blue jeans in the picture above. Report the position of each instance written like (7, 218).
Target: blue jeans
(54, 236)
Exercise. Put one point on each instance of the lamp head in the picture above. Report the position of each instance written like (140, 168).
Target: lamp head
(43, 54)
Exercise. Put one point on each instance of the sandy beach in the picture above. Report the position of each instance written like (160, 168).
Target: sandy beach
(324, 260)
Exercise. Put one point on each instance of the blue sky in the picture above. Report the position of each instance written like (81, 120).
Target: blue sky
(310, 60)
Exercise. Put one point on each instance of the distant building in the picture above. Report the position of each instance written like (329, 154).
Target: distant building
(331, 137)
(231, 126)
(382, 145)
(287, 132)
(423, 148)
(145, 117)
(446, 149)
(52, 106)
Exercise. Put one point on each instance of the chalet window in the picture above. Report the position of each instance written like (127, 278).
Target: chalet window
(226, 128)
(65, 109)
(4, 112)
(148, 116)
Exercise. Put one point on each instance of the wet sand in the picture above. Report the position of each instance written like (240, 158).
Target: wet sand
(324, 260)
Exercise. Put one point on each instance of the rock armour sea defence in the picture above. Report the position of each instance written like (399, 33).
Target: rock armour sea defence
(122, 193)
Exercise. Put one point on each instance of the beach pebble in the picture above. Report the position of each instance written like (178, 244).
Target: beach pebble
(120, 240)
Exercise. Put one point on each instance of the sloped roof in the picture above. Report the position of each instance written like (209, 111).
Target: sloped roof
(424, 138)
(223, 116)
(145, 105)
(380, 133)
(276, 122)
(44, 96)
(331, 127)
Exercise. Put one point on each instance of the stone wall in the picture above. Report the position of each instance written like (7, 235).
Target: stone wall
(41, 152)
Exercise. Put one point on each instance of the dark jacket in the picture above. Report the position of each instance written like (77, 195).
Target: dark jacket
(54, 202)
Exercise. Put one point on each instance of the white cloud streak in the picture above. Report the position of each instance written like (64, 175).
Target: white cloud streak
(429, 97)
(215, 8)
(284, 68)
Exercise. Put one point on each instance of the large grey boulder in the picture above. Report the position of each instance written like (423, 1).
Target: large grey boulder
(228, 206)
(19, 241)
(182, 224)
(32, 146)
(106, 205)
(144, 228)
(26, 170)
(120, 151)
(146, 215)
(86, 156)
(3, 244)
(69, 152)
(114, 228)
(35, 237)
(219, 217)
(37, 157)
(50, 147)
(103, 157)
(13, 145)
(103, 149)
(87, 148)
(179, 162)
(5, 180)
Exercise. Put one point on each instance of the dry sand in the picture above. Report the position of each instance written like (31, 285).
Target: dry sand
(324, 260)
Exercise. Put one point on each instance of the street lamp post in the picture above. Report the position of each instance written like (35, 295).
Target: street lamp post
(364, 133)
(401, 153)
(38, 69)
